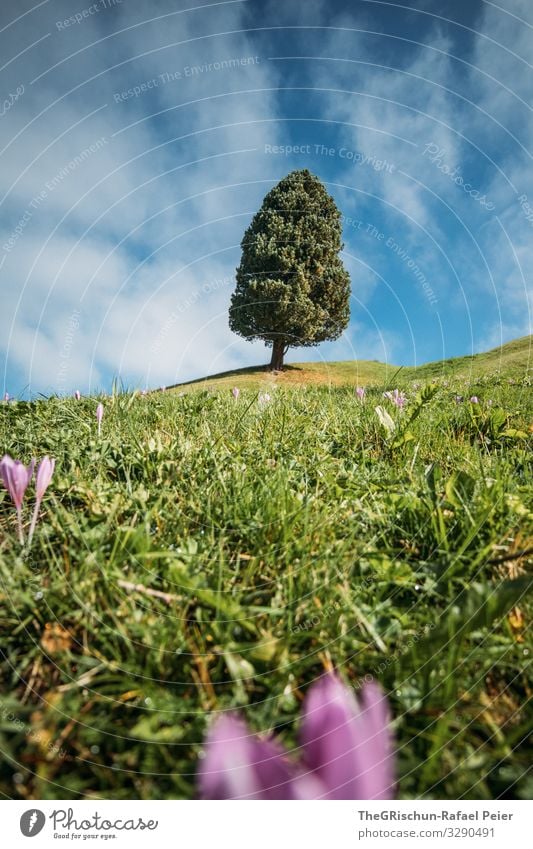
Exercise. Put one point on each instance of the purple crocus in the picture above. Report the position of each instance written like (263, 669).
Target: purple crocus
(360, 392)
(99, 417)
(77, 395)
(239, 765)
(45, 470)
(346, 752)
(235, 392)
(346, 742)
(16, 477)
(396, 397)
(474, 399)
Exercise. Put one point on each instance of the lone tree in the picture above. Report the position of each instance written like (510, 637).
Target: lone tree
(292, 288)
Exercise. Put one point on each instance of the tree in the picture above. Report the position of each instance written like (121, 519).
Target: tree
(292, 288)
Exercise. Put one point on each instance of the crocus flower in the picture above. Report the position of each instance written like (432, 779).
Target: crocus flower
(77, 395)
(16, 477)
(474, 399)
(346, 742)
(239, 765)
(99, 417)
(45, 470)
(6, 397)
(346, 752)
(398, 398)
(264, 398)
(235, 392)
(360, 392)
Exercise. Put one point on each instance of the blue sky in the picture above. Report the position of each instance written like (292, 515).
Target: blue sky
(137, 141)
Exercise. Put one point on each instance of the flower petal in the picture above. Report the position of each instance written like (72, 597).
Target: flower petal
(347, 744)
(239, 765)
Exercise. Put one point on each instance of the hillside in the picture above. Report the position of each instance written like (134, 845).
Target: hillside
(200, 554)
(512, 360)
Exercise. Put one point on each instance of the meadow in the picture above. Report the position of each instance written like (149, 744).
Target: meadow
(207, 552)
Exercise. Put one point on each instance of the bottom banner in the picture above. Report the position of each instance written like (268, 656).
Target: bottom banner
(264, 824)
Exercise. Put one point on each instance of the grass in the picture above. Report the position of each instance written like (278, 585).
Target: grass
(208, 554)
(512, 360)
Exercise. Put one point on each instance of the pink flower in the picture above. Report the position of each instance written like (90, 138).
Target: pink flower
(235, 392)
(346, 752)
(16, 477)
(346, 742)
(360, 392)
(474, 399)
(43, 477)
(99, 416)
(6, 397)
(77, 395)
(398, 398)
(239, 765)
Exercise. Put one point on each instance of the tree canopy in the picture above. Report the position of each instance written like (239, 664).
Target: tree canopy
(292, 288)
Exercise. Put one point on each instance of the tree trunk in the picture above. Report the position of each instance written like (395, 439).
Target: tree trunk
(278, 352)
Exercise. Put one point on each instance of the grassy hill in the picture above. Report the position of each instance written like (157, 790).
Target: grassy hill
(206, 554)
(512, 360)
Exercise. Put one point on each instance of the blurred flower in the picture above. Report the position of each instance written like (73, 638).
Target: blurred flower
(474, 399)
(43, 477)
(398, 398)
(77, 395)
(6, 397)
(385, 419)
(239, 765)
(235, 392)
(360, 392)
(16, 477)
(264, 398)
(346, 742)
(99, 416)
(346, 752)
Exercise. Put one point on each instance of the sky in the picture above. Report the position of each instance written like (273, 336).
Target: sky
(137, 140)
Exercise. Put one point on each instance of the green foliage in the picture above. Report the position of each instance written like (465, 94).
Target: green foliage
(292, 287)
(209, 554)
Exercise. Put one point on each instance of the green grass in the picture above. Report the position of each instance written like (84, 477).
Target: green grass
(286, 540)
